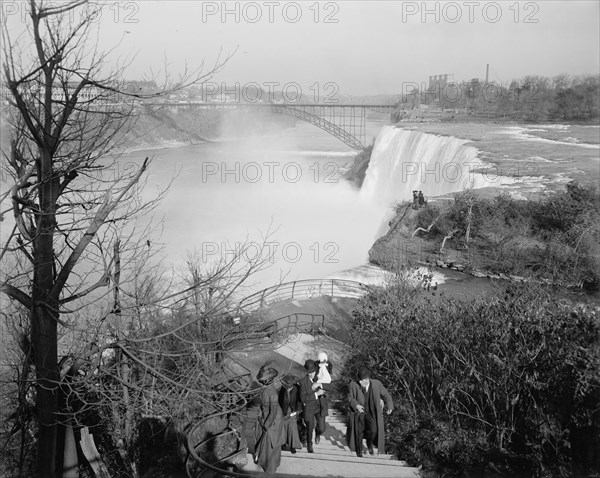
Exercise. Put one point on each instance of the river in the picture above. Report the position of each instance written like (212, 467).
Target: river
(286, 189)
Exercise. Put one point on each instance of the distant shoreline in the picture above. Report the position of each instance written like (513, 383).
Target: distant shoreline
(169, 144)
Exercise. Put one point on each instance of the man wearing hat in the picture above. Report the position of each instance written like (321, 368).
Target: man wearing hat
(366, 398)
(309, 395)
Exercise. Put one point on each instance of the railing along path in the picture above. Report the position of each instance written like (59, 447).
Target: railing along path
(304, 289)
(236, 389)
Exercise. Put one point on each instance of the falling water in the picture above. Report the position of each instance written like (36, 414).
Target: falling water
(403, 161)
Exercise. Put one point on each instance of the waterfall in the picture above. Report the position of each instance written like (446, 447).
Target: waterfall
(404, 160)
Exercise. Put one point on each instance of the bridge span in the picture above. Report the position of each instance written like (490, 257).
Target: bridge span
(347, 122)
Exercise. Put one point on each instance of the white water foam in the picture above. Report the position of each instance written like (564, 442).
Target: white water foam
(403, 161)
(371, 274)
(522, 133)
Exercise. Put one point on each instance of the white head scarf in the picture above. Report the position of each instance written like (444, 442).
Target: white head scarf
(323, 376)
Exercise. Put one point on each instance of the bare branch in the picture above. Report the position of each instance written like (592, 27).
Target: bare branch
(16, 294)
(91, 231)
(428, 229)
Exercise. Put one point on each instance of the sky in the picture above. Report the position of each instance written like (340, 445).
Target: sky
(352, 47)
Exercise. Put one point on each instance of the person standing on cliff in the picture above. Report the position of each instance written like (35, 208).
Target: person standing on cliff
(366, 397)
(421, 199)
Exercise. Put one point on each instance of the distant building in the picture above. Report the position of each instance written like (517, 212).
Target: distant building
(437, 82)
(474, 88)
(436, 87)
(140, 87)
(61, 91)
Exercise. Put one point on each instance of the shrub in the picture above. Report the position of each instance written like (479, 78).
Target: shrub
(553, 238)
(507, 382)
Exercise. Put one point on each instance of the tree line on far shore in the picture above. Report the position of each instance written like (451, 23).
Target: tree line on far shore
(532, 98)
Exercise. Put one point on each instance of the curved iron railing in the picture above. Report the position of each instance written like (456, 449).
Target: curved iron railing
(304, 289)
(195, 466)
(237, 398)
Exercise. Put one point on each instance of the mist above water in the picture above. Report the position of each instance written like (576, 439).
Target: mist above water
(287, 189)
(284, 188)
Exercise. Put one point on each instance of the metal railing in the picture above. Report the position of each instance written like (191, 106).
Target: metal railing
(299, 322)
(236, 388)
(304, 289)
(195, 466)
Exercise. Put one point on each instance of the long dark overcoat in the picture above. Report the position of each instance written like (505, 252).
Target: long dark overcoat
(357, 397)
(268, 447)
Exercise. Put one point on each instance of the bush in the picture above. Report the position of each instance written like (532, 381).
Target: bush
(508, 382)
(553, 238)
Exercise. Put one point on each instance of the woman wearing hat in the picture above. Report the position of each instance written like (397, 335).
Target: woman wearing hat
(291, 406)
(268, 448)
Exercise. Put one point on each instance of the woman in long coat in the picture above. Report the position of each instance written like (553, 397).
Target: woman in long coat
(268, 448)
(291, 406)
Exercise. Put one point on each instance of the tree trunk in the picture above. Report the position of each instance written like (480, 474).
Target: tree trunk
(44, 315)
(469, 216)
(449, 236)
(426, 230)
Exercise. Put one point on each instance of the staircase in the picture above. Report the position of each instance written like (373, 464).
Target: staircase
(332, 458)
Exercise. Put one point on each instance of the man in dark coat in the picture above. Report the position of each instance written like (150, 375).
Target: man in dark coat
(309, 395)
(366, 398)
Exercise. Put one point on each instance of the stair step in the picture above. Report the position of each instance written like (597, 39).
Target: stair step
(338, 452)
(349, 457)
(318, 465)
(348, 467)
(327, 444)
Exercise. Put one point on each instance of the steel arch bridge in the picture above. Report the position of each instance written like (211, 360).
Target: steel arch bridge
(346, 122)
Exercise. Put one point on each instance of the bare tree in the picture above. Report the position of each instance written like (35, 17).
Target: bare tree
(67, 116)
(173, 368)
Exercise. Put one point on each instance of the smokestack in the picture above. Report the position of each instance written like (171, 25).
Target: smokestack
(487, 72)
